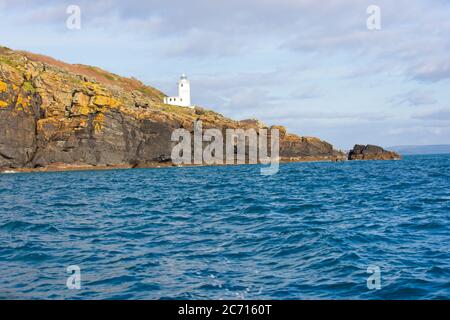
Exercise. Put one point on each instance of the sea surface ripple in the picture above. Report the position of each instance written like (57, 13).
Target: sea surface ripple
(308, 232)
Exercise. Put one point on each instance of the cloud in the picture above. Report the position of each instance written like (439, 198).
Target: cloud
(421, 130)
(198, 42)
(438, 115)
(329, 116)
(414, 98)
(433, 71)
(307, 92)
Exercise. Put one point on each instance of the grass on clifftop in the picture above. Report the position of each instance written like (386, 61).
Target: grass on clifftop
(101, 76)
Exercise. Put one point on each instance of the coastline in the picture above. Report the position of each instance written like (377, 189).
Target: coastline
(63, 167)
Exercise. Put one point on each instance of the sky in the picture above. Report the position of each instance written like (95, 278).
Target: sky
(312, 66)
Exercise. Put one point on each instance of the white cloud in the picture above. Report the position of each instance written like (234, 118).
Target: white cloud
(414, 98)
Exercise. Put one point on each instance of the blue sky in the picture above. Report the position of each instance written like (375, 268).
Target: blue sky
(310, 65)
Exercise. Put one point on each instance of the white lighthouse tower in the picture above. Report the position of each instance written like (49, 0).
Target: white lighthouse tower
(184, 94)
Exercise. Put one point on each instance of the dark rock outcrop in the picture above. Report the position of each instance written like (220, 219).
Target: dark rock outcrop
(371, 152)
(57, 115)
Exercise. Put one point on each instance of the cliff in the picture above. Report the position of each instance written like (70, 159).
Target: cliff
(57, 115)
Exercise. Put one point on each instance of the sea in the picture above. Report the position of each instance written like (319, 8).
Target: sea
(345, 230)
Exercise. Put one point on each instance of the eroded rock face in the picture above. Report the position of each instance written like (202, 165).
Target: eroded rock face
(371, 152)
(56, 113)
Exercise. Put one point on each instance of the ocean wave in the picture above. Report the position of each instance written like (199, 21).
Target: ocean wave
(310, 231)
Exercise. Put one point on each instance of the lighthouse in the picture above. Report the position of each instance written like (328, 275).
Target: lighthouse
(184, 94)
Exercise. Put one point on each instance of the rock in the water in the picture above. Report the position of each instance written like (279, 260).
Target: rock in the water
(371, 152)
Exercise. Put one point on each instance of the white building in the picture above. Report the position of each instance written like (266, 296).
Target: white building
(184, 94)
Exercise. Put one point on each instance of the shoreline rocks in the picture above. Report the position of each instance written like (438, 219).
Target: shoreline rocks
(371, 152)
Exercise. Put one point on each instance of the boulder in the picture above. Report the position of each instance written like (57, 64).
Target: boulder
(371, 152)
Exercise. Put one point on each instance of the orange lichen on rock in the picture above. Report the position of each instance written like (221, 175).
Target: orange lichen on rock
(3, 86)
(81, 104)
(105, 101)
(94, 87)
(84, 110)
(3, 104)
(22, 102)
(98, 122)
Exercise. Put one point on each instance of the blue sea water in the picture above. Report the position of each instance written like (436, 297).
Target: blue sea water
(308, 232)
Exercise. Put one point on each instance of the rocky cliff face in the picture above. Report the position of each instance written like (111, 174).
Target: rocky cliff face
(371, 152)
(58, 115)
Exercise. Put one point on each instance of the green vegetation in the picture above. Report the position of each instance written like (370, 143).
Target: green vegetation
(28, 86)
(8, 61)
(177, 109)
(103, 73)
(150, 92)
(109, 76)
